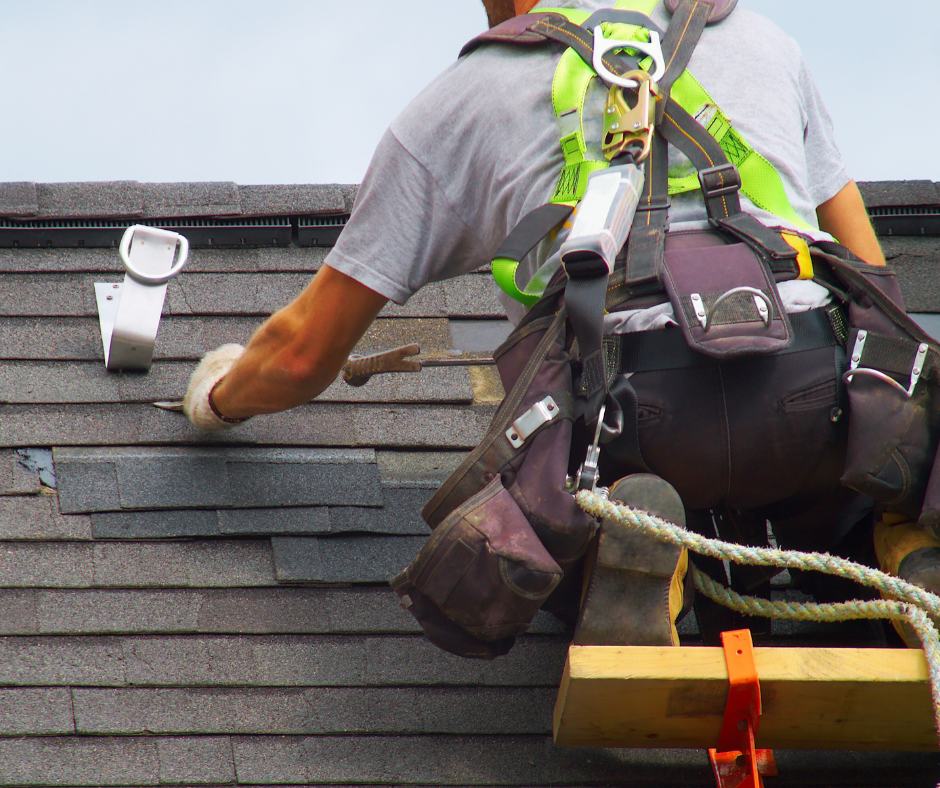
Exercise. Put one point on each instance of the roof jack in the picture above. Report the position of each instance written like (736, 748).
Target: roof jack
(129, 313)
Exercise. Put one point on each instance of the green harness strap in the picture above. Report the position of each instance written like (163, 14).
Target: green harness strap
(761, 183)
(569, 90)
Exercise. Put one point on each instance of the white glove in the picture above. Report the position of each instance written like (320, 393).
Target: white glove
(213, 367)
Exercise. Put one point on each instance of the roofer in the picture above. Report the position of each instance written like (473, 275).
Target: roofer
(478, 151)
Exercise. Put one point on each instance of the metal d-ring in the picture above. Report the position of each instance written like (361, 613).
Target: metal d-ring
(153, 279)
(874, 373)
(604, 45)
(765, 316)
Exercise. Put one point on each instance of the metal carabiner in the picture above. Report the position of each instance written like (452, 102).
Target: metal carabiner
(630, 129)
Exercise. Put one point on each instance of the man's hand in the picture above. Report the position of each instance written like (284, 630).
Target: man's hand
(292, 357)
(196, 404)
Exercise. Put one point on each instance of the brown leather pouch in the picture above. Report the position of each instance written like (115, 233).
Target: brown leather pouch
(483, 567)
(726, 301)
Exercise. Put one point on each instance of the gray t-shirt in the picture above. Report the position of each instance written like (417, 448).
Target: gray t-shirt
(478, 149)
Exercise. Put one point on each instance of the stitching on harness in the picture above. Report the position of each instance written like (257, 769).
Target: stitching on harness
(672, 120)
(688, 21)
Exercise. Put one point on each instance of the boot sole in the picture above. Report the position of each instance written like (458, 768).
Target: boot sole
(635, 590)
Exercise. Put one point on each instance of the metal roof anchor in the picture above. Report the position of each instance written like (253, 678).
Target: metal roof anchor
(129, 313)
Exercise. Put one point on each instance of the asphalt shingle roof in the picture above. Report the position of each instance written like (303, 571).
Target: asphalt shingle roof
(190, 609)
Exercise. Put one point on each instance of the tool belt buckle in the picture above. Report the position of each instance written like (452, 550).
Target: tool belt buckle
(630, 129)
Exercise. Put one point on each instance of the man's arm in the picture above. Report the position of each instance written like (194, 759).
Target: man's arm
(844, 217)
(299, 350)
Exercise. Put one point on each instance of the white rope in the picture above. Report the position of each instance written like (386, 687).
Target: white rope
(911, 602)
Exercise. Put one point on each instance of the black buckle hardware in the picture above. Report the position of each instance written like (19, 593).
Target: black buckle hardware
(727, 174)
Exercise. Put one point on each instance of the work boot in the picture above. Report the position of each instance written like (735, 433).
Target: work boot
(635, 583)
(906, 550)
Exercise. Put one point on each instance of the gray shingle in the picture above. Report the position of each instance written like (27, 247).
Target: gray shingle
(215, 198)
(196, 564)
(107, 263)
(58, 295)
(80, 661)
(233, 294)
(84, 485)
(285, 610)
(891, 193)
(285, 520)
(175, 477)
(99, 761)
(327, 710)
(187, 337)
(32, 382)
(401, 515)
(195, 760)
(168, 524)
(317, 424)
(73, 295)
(328, 660)
(15, 478)
(294, 200)
(219, 564)
(917, 274)
(19, 612)
(473, 296)
(36, 711)
(18, 199)
(46, 564)
(342, 559)
(98, 199)
(459, 760)
(37, 517)
(425, 470)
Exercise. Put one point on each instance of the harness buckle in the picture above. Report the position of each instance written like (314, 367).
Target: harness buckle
(630, 129)
(719, 181)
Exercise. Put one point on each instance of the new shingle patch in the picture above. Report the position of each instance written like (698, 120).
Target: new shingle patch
(111, 479)
(342, 559)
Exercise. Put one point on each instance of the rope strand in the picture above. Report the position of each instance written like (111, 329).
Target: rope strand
(910, 602)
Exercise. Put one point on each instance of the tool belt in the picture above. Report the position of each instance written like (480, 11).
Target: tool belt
(739, 404)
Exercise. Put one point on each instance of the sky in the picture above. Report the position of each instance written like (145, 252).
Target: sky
(300, 91)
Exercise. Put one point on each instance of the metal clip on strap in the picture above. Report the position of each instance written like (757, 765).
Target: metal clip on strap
(129, 313)
(540, 413)
(916, 368)
(761, 301)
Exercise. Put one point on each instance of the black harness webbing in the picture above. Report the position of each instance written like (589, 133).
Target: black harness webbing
(648, 351)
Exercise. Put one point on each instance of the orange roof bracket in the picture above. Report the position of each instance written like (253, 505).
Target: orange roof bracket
(736, 762)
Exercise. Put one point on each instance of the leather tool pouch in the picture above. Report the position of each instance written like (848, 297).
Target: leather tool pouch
(505, 528)
(893, 425)
(726, 301)
(484, 567)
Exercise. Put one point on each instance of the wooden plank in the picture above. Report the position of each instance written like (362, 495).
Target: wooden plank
(812, 698)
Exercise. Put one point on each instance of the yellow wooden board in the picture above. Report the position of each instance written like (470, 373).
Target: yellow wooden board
(812, 698)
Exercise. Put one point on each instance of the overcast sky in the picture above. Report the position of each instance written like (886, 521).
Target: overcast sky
(299, 91)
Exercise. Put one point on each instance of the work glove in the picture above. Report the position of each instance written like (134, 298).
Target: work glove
(213, 367)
